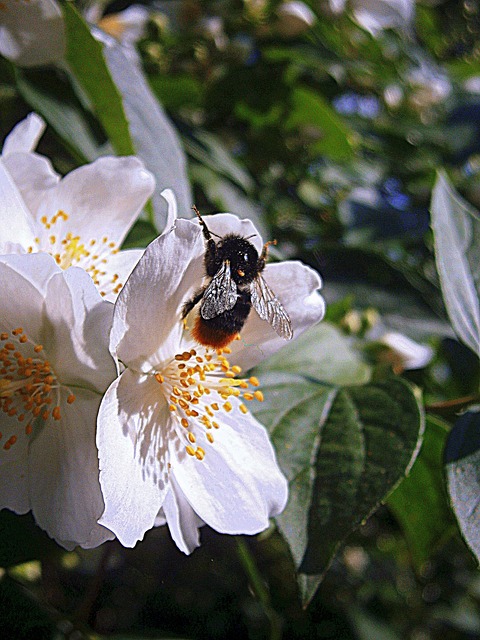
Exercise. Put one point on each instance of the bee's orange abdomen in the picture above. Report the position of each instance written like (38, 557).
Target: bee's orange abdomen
(210, 336)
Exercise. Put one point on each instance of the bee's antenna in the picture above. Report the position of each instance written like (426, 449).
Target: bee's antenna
(206, 231)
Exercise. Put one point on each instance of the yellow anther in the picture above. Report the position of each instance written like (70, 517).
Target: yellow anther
(236, 368)
(227, 406)
(248, 396)
(159, 378)
(254, 381)
(243, 408)
(200, 453)
(258, 395)
(209, 437)
(184, 423)
(190, 450)
(191, 437)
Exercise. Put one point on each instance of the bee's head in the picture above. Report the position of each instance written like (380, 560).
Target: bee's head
(242, 255)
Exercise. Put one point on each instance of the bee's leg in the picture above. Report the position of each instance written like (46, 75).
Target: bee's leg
(188, 306)
(263, 256)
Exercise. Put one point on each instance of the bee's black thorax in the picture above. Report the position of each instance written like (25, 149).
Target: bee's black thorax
(241, 254)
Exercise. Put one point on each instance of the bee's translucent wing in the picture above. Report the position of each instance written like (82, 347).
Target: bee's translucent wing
(220, 295)
(269, 308)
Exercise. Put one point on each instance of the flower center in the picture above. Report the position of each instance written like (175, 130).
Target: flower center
(200, 386)
(28, 386)
(70, 250)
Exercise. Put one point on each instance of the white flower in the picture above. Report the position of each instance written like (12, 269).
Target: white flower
(127, 26)
(294, 18)
(54, 367)
(174, 434)
(404, 352)
(32, 32)
(81, 219)
(377, 15)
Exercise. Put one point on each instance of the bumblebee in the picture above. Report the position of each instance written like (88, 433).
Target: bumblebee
(236, 284)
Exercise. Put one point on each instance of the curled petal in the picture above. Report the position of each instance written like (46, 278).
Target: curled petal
(147, 326)
(25, 135)
(24, 280)
(77, 330)
(183, 522)
(33, 176)
(15, 221)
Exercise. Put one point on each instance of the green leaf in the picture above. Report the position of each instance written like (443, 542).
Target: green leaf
(226, 196)
(323, 353)
(294, 411)
(462, 457)
(420, 502)
(56, 102)
(210, 152)
(309, 109)
(456, 229)
(368, 441)
(86, 60)
(342, 448)
(132, 118)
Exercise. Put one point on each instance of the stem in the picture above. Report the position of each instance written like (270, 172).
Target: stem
(449, 408)
(258, 585)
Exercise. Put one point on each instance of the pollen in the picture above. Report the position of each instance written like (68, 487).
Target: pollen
(201, 388)
(29, 390)
(70, 249)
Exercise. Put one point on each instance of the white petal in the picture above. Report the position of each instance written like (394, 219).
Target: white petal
(24, 280)
(412, 354)
(133, 471)
(15, 222)
(183, 522)
(103, 198)
(77, 329)
(296, 286)
(119, 266)
(32, 33)
(25, 135)
(14, 479)
(375, 15)
(172, 208)
(238, 486)
(33, 176)
(63, 471)
(147, 324)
